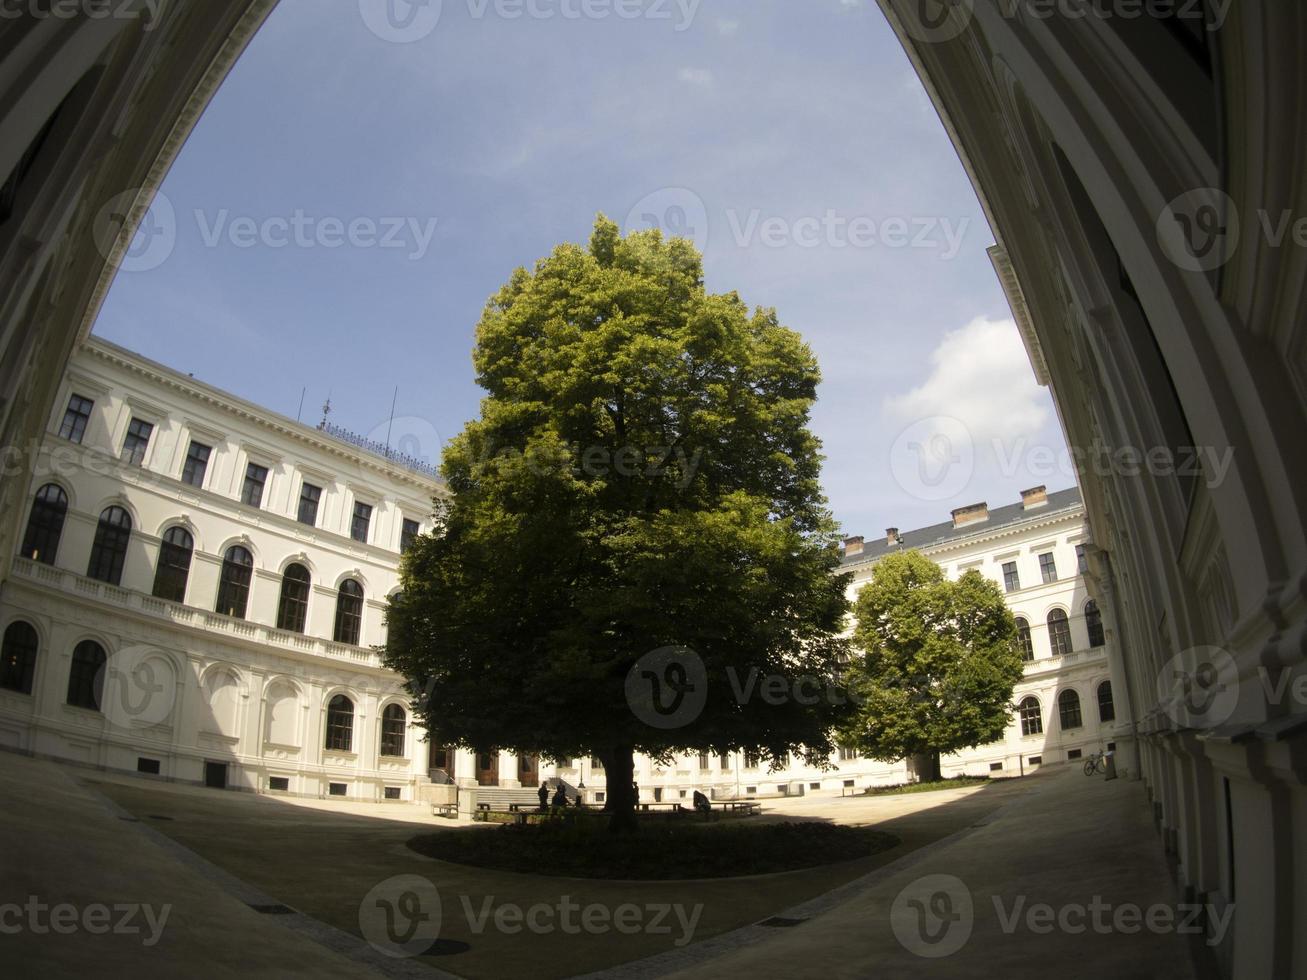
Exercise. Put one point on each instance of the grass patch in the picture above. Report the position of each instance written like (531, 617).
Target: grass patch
(657, 851)
(954, 782)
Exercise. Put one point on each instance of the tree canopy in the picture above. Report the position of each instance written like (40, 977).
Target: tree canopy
(938, 663)
(641, 477)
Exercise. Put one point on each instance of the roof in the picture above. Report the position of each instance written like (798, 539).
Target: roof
(938, 534)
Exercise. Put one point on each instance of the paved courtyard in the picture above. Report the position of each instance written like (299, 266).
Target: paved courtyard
(262, 886)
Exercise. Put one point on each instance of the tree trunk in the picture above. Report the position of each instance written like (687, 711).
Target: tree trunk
(619, 771)
(926, 767)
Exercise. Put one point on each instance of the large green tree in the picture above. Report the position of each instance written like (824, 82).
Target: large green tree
(641, 477)
(938, 666)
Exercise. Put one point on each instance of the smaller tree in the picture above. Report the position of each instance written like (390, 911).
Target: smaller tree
(938, 667)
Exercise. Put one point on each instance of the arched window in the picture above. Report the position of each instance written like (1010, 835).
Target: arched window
(293, 607)
(86, 675)
(1031, 721)
(1106, 707)
(349, 612)
(340, 723)
(46, 524)
(1024, 644)
(1068, 707)
(110, 547)
(18, 657)
(1059, 633)
(234, 584)
(393, 723)
(174, 564)
(1094, 624)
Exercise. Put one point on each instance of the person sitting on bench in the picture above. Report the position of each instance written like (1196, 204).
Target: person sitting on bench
(701, 804)
(560, 796)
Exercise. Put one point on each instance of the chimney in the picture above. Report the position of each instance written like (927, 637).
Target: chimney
(1034, 497)
(971, 514)
(852, 546)
(892, 536)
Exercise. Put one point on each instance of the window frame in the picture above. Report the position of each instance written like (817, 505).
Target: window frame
(315, 500)
(230, 582)
(1094, 624)
(1025, 640)
(18, 655)
(86, 676)
(348, 627)
(1031, 716)
(355, 517)
(76, 420)
(179, 573)
(109, 547)
(394, 727)
(409, 530)
(1109, 701)
(1048, 567)
(191, 465)
(1068, 705)
(136, 443)
(339, 736)
(249, 480)
(52, 518)
(1059, 636)
(1011, 577)
(287, 603)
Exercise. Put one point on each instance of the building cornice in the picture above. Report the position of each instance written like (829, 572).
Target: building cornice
(260, 417)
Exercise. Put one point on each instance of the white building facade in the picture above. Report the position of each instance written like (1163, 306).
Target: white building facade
(200, 588)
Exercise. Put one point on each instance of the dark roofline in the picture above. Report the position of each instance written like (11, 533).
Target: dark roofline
(1009, 515)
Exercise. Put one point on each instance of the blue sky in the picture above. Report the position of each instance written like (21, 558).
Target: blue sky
(361, 184)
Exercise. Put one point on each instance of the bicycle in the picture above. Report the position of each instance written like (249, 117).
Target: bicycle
(1096, 764)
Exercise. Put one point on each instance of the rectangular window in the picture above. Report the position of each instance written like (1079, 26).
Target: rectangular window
(148, 766)
(358, 529)
(1082, 560)
(703, 760)
(337, 789)
(1011, 581)
(281, 783)
(392, 792)
(197, 464)
(750, 760)
(309, 499)
(408, 535)
(726, 760)
(848, 754)
(996, 767)
(75, 418)
(1035, 760)
(1074, 754)
(256, 477)
(1048, 567)
(137, 441)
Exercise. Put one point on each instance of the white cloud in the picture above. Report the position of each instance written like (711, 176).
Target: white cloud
(696, 76)
(727, 28)
(981, 376)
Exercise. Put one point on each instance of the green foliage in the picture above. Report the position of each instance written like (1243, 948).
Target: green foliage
(641, 475)
(939, 662)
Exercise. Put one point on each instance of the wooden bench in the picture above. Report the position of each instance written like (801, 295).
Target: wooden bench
(448, 810)
(750, 807)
